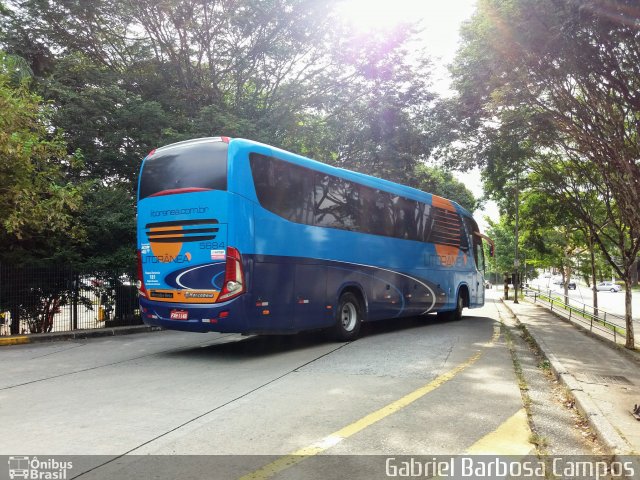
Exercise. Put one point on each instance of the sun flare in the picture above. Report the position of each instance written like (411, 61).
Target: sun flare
(368, 15)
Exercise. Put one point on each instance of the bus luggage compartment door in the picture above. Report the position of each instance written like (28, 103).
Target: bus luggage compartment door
(310, 299)
(273, 291)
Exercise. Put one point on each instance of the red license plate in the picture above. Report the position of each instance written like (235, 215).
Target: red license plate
(179, 315)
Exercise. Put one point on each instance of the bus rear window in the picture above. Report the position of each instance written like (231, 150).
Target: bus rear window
(197, 164)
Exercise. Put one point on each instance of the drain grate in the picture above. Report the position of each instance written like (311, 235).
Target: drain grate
(606, 379)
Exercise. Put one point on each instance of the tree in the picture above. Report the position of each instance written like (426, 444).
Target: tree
(129, 76)
(36, 198)
(565, 74)
(504, 254)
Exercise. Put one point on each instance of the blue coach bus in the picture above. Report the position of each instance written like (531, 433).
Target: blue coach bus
(238, 236)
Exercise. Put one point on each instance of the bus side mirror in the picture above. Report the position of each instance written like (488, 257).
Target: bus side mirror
(489, 241)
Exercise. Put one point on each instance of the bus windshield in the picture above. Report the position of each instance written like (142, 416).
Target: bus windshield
(188, 166)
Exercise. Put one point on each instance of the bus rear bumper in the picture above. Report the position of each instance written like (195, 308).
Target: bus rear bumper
(225, 317)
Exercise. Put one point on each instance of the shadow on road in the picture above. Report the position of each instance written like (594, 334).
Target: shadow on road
(233, 347)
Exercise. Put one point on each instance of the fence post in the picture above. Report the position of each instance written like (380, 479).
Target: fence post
(76, 294)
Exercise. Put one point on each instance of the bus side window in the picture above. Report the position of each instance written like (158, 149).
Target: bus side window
(371, 211)
(327, 202)
(283, 188)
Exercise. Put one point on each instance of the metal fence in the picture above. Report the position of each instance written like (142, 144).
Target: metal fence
(57, 299)
(607, 323)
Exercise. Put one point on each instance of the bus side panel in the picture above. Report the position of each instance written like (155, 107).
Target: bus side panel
(310, 300)
(271, 291)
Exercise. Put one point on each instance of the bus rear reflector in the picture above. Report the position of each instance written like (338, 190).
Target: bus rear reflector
(142, 290)
(233, 276)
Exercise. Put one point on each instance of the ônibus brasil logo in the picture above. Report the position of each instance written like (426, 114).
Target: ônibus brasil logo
(33, 468)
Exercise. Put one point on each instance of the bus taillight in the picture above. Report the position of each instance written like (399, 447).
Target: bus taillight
(142, 290)
(233, 276)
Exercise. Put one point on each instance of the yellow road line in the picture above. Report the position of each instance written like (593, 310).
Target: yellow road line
(298, 456)
(510, 438)
(14, 340)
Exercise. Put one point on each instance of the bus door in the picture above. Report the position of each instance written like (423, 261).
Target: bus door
(478, 283)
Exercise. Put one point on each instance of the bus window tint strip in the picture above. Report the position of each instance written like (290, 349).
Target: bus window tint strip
(314, 198)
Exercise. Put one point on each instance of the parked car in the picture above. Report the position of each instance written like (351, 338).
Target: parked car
(610, 286)
(570, 285)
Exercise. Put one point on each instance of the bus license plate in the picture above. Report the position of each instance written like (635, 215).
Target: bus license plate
(179, 315)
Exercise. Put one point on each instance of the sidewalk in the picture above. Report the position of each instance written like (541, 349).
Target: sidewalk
(75, 334)
(604, 380)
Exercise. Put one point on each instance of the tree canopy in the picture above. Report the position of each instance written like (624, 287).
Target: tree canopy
(114, 79)
(548, 92)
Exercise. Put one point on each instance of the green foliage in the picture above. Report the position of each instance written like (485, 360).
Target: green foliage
(37, 202)
(502, 233)
(441, 182)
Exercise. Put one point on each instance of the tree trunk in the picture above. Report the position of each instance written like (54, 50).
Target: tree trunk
(566, 276)
(630, 340)
(593, 277)
(15, 321)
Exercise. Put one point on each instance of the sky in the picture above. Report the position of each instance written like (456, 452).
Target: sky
(441, 21)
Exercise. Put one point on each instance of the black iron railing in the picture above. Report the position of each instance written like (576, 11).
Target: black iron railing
(56, 299)
(598, 319)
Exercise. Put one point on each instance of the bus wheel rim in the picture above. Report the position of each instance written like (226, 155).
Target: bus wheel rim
(348, 316)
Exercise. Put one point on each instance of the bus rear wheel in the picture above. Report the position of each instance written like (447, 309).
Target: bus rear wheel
(452, 315)
(348, 318)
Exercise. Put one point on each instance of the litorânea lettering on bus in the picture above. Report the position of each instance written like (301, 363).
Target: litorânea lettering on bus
(179, 211)
(167, 258)
(434, 260)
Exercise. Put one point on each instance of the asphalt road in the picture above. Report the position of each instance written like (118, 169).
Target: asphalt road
(407, 387)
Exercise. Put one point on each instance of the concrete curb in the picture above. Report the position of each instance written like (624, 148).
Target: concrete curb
(76, 334)
(609, 436)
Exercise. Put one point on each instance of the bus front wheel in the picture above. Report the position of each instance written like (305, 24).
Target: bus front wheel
(348, 317)
(453, 314)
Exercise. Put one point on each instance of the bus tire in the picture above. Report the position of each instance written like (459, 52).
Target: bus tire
(348, 318)
(453, 315)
